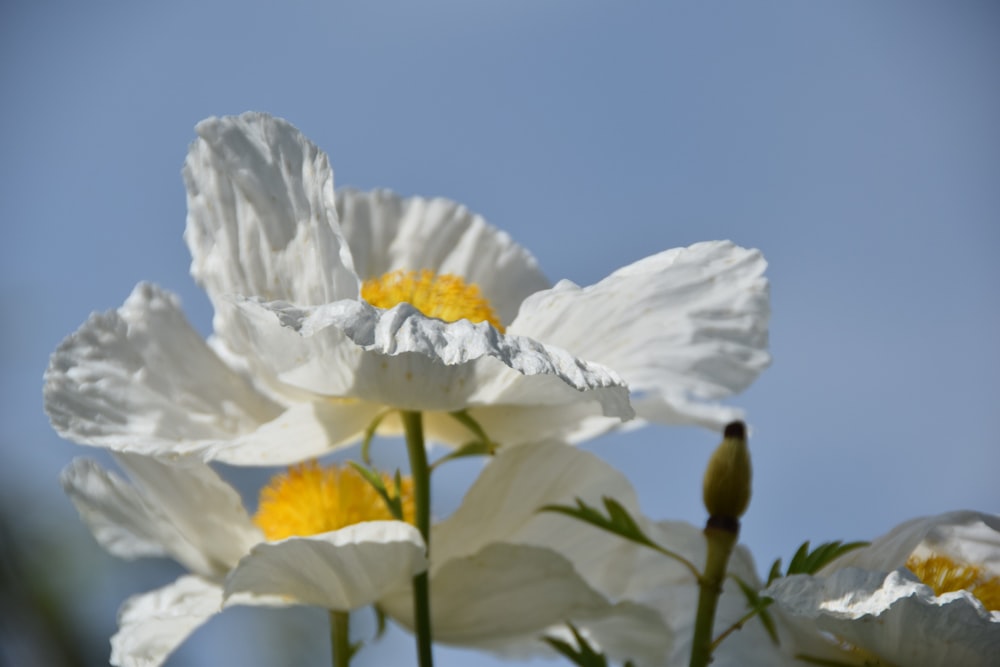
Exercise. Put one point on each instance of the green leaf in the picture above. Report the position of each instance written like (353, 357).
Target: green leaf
(582, 654)
(463, 418)
(474, 448)
(811, 562)
(775, 571)
(392, 501)
(759, 603)
(619, 522)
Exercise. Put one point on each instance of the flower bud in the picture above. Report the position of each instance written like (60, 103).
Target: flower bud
(726, 488)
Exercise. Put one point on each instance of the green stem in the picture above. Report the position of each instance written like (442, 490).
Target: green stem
(340, 638)
(413, 425)
(721, 538)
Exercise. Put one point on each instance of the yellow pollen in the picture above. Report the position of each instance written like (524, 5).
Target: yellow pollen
(309, 499)
(445, 297)
(944, 575)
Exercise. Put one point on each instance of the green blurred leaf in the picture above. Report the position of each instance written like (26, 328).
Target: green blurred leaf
(582, 654)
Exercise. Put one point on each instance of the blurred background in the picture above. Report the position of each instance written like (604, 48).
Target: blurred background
(857, 144)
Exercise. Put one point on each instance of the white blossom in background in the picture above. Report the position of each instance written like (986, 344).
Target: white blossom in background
(502, 574)
(927, 593)
(300, 363)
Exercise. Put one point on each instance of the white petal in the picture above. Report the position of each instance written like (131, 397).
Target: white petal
(688, 323)
(894, 617)
(387, 232)
(118, 516)
(340, 570)
(262, 216)
(166, 515)
(965, 536)
(502, 506)
(303, 431)
(141, 379)
(152, 625)
(401, 358)
(504, 597)
(206, 510)
(509, 425)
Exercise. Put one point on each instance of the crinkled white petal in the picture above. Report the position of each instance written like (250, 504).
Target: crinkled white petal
(895, 617)
(340, 570)
(965, 536)
(502, 506)
(262, 217)
(401, 358)
(688, 323)
(505, 596)
(186, 512)
(152, 625)
(141, 379)
(387, 232)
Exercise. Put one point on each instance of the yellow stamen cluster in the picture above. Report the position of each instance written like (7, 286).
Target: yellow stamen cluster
(445, 297)
(309, 499)
(944, 575)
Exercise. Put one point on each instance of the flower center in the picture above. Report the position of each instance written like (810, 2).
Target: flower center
(445, 297)
(309, 499)
(944, 575)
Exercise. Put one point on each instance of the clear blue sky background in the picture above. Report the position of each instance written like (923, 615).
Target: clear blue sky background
(857, 144)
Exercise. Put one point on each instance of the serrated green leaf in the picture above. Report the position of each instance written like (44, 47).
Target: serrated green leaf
(811, 562)
(619, 522)
(796, 564)
(775, 571)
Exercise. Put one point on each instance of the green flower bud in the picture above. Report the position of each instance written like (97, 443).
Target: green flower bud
(726, 489)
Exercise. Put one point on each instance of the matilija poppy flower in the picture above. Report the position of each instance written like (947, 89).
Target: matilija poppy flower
(927, 593)
(333, 311)
(502, 574)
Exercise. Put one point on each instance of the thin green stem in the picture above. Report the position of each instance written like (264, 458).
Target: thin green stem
(340, 638)
(738, 625)
(721, 539)
(413, 426)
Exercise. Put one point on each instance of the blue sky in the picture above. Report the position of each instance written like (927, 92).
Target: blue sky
(856, 144)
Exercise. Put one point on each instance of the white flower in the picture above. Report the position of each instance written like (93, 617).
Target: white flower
(927, 593)
(300, 363)
(501, 574)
